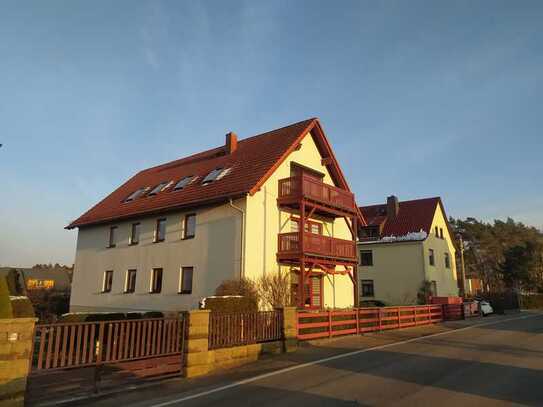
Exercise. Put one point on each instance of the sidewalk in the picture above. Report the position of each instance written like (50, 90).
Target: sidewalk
(307, 352)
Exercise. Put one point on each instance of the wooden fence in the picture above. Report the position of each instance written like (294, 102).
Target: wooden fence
(70, 345)
(313, 325)
(234, 329)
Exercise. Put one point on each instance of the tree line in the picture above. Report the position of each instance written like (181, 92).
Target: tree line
(505, 255)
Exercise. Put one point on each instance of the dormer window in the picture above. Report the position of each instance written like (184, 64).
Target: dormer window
(215, 175)
(160, 187)
(183, 182)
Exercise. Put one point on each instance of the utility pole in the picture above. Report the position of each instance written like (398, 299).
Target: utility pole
(462, 268)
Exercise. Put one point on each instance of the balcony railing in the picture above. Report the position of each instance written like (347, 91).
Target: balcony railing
(311, 188)
(289, 244)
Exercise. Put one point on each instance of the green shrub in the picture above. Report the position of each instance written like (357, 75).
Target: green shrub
(231, 304)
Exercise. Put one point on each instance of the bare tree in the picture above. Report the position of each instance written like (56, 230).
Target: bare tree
(274, 290)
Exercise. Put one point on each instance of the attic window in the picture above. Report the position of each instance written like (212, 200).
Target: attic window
(183, 182)
(212, 176)
(135, 194)
(160, 187)
(223, 173)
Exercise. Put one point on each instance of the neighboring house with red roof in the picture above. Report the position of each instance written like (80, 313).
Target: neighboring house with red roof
(275, 202)
(404, 244)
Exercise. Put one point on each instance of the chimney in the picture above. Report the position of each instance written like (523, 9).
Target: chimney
(393, 206)
(231, 142)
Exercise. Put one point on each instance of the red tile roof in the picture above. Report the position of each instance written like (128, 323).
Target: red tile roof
(413, 216)
(252, 163)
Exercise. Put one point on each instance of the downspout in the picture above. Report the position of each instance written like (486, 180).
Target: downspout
(242, 251)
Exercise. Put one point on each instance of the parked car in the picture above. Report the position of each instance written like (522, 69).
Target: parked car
(486, 308)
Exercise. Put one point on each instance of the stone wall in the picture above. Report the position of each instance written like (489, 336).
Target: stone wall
(200, 360)
(16, 337)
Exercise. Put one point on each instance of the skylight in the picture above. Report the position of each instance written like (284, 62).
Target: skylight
(135, 194)
(158, 188)
(212, 176)
(224, 173)
(216, 175)
(183, 182)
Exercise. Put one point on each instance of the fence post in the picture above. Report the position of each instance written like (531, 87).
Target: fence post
(197, 356)
(399, 318)
(329, 324)
(415, 315)
(379, 316)
(290, 328)
(357, 321)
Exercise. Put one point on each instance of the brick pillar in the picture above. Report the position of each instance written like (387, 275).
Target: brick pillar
(290, 328)
(16, 340)
(198, 358)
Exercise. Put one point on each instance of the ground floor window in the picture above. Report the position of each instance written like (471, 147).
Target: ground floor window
(130, 283)
(107, 282)
(367, 288)
(156, 281)
(185, 280)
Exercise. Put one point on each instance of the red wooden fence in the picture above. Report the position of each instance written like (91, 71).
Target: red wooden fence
(312, 325)
(242, 328)
(69, 345)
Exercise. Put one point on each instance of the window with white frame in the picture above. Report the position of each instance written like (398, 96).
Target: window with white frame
(156, 281)
(130, 281)
(185, 280)
(107, 282)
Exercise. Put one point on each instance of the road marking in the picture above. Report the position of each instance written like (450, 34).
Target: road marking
(335, 357)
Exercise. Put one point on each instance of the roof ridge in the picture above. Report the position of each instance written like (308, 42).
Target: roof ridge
(205, 155)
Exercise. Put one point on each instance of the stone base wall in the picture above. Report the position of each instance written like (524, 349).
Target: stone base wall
(16, 338)
(200, 360)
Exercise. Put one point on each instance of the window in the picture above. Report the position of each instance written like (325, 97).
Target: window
(135, 233)
(156, 281)
(447, 261)
(189, 227)
(431, 257)
(366, 258)
(310, 226)
(112, 236)
(158, 188)
(212, 176)
(441, 233)
(136, 194)
(223, 173)
(433, 288)
(108, 281)
(367, 288)
(183, 182)
(369, 233)
(160, 231)
(185, 280)
(436, 231)
(130, 282)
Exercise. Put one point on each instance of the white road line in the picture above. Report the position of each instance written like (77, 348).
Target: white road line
(341, 356)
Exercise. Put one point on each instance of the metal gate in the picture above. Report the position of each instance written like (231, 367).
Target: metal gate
(70, 358)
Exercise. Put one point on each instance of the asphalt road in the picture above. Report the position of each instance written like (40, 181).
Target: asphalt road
(496, 364)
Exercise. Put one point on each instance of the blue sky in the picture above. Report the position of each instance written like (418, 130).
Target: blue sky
(418, 99)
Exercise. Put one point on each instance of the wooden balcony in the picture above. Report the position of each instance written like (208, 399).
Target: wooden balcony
(295, 189)
(289, 248)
